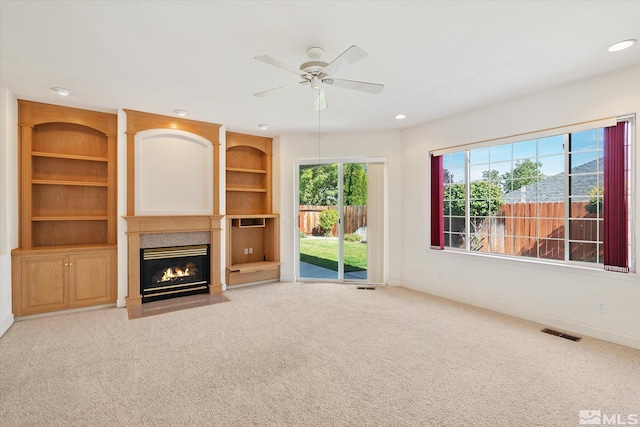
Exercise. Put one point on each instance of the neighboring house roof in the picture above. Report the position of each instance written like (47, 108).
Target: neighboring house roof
(551, 189)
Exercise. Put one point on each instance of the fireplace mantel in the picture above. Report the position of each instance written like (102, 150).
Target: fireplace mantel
(141, 225)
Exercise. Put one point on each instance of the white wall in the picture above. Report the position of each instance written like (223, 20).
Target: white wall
(290, 148)
(222, 188)
(8, 200)
(558, 296)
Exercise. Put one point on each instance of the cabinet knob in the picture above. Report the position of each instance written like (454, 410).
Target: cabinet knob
(66, 264)
(70, 263)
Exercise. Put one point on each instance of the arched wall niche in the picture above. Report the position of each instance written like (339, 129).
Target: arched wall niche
(171, 144)
(174, 173)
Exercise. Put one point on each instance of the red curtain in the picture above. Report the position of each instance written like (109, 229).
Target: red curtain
(437, 202)
(615, 201)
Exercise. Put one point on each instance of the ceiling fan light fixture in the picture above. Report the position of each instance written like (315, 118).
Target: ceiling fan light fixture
(321, 101)
(61, 91)
(400, 116)
(315, 83)
(181, 113)
(621, 45)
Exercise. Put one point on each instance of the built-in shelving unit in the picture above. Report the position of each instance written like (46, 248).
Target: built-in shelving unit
(253, 251)
(67, 209)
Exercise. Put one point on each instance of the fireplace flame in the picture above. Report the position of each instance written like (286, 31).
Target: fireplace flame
(171, 273)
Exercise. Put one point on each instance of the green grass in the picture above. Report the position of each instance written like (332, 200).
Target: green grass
(324, 253)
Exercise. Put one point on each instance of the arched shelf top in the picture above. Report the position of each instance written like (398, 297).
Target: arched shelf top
(71, 126)
(260, 143)
(34, 114)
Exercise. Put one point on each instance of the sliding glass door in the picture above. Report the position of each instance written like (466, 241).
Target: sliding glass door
(332, 223)
(318, 221)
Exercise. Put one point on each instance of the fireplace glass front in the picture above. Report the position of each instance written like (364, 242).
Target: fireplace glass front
(174, 271)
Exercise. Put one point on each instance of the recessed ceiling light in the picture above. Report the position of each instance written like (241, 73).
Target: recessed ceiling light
(263, 126)
(61, 91)
(181, 113)
(400, 116)
(624, 44)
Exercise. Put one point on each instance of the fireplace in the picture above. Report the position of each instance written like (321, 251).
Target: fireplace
(173, 271)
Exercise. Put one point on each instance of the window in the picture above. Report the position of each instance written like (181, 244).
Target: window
(541, 198)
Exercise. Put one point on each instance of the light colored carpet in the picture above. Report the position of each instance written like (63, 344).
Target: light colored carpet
(308, 355)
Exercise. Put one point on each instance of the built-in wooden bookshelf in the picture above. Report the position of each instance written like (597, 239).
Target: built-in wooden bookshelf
(248, 174)
(67, 181)
(253, 250)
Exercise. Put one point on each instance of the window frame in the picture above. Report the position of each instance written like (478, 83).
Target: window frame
(566, 133)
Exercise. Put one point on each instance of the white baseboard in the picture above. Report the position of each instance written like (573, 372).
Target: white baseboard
(543, 319)
(6, 324)
(121, 303)
(61, 312)
(260, 282)
(288, 278)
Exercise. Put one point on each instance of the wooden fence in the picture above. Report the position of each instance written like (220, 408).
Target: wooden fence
(354, 217)
(538, 230)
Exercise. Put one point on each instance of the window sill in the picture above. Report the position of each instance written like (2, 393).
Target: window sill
(548, 265)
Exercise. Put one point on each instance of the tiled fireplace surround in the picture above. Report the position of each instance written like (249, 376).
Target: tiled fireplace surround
(156, 230)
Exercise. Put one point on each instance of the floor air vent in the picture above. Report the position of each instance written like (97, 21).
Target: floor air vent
(367, 288)
(560, 334)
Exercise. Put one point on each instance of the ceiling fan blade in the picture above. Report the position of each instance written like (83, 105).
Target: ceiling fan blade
(267, 92)
(346, 58)
(279, 64)
(321, 101)
(355, 85)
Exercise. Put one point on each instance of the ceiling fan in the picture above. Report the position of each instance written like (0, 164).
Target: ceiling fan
(316, 73)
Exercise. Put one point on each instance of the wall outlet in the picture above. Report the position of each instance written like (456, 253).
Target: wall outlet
(250, 250)
(601, 307)
(246, 251)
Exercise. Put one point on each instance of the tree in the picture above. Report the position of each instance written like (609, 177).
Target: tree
(485, 200)
(524, 173)
(492, 175)
(355, 184)
(595, 204)
(319, 185)
(327, 220)
(448, 177)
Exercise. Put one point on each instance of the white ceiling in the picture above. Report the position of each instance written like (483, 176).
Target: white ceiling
(435, 58)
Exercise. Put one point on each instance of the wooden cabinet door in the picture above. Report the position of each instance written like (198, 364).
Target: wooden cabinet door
(44, 285)
(90, 279)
